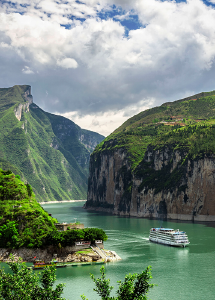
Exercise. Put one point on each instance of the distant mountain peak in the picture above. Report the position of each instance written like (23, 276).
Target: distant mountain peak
(27, 95)
(25, 91)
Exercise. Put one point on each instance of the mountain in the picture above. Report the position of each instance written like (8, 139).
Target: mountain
(159, 163)
(48, 151)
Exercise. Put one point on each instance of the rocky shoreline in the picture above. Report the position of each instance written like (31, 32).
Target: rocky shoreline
(62, 255)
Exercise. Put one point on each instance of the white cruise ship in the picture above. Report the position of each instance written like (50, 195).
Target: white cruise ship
(169, 237)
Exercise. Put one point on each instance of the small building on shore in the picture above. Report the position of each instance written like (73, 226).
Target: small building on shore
(64, 226)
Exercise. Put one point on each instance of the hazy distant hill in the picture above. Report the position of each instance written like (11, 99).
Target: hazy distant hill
(159, 163)
(49, 151)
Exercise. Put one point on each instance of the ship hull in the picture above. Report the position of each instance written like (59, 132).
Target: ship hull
(182, 245)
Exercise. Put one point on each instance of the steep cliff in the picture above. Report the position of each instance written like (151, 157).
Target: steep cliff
(159, 164)
(48, 151)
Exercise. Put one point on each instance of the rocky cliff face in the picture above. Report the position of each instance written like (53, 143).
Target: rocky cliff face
(89, 139)
(166, 184)
(73, 138)
(159, 164)
(24, 107)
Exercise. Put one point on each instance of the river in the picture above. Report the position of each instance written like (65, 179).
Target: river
(179, 273)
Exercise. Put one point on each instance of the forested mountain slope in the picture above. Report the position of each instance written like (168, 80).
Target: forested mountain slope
(48, 151)
(159, 163)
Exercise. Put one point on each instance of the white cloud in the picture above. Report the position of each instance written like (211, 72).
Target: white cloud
(126, 16)
(27, 70)
(91, 67)
(105, 123)
(67, 63)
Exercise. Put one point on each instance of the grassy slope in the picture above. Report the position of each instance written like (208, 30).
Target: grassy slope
(54, 172)
(197, 134)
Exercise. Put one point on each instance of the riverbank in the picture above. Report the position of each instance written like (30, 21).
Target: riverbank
(64, 201)
(62, 255)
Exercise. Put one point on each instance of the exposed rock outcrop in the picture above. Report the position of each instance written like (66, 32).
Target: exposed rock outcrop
(19, 109)
(167, 184)
(27, 95)
(28, 98)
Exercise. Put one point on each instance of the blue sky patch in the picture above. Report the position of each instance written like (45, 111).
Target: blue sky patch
(128, 19)
(208, 3)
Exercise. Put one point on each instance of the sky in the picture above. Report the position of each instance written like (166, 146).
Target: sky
(99, 62)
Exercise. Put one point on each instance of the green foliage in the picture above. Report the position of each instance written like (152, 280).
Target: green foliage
(68, 237)
(46, 291)
(196, 140)
(8, 234)
(29, 189)
(11, 188)
(24, 223)
(134, 287)
(22, 283)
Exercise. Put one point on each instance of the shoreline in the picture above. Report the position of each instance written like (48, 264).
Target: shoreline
(68, 255)
(64, 201)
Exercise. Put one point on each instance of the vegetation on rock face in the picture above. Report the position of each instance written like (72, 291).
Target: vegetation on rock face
(49, 151)
(159, 179)
(24, 223)
(143, 150)
(187, 124)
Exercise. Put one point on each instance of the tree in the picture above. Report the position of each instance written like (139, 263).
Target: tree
(8, 234)
(134, 287)
(26, 285)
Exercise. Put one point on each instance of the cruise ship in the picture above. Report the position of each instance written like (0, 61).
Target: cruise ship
(169, 237)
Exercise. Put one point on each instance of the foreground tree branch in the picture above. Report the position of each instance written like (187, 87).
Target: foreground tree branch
(134, 287)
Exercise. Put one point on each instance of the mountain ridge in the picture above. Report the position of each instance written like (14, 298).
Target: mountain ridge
(39, 147)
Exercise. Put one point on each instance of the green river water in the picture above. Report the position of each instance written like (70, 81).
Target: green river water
(180, 273)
